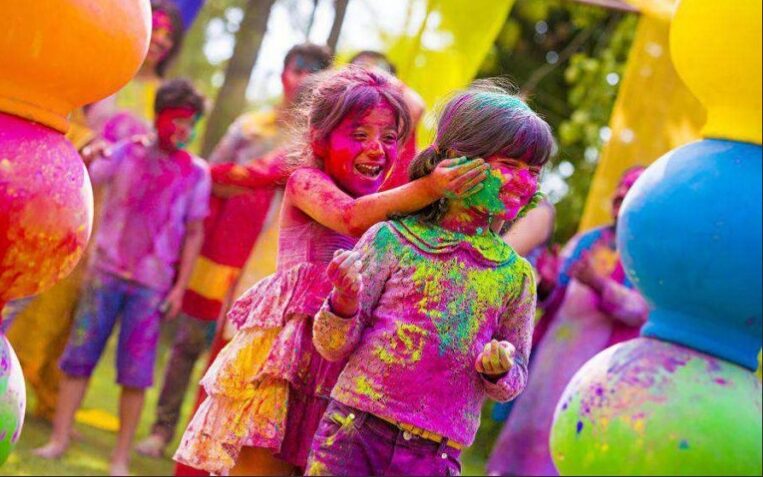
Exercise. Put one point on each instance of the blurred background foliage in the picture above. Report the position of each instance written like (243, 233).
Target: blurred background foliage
(567, 59)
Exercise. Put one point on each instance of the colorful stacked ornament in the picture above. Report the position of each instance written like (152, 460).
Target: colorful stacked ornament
(58, 55)
(683, 399)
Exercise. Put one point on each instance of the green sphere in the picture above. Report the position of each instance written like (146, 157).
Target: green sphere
(12, 399)
(648, 407)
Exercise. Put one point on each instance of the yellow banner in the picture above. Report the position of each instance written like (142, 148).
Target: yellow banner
(445, 49)
(654, 113)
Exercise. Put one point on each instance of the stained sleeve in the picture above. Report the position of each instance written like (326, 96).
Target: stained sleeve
(103, 169)
(335, 337)
(516, 327)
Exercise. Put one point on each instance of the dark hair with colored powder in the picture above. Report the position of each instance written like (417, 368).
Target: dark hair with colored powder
(309, 56)
(178, 93)
(326, 98)
(484, 120)
(171, 10)
(377, 56)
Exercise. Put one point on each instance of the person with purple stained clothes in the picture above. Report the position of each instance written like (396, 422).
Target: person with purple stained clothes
(434, 310)
(156, 198)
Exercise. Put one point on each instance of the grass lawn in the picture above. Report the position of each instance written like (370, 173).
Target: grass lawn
(89, 454)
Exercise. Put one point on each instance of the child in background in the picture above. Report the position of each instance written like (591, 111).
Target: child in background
(156, 198)
(268, 387)
(434, 310)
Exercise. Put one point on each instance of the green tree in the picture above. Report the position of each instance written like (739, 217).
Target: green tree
(567, 59)
(230, 102)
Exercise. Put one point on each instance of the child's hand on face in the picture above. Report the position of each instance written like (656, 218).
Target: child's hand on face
(459, 177)
(344, 274)
(497, 358)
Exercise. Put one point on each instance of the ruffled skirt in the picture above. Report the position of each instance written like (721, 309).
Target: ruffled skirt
(269, 366)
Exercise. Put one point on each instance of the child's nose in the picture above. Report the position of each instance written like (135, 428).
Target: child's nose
(374, 148)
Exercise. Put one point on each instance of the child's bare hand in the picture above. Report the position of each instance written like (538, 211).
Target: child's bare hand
(95, 149)
(497, 357)
(172, 303)
(344, 274)
(459, 177)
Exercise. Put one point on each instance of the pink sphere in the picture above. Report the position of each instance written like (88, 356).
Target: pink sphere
(46, 207)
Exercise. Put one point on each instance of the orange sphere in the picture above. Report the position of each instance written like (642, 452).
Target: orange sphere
(58, 55)
(46, 207)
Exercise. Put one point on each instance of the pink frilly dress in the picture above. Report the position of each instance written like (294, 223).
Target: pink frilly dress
(269, 387)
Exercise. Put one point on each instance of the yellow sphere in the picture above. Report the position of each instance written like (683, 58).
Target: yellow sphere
(716, 49)
(58, 55)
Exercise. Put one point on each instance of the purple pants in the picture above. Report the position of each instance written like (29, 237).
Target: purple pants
(105, 298)
(353, 442)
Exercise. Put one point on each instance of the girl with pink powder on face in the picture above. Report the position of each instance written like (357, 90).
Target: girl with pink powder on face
(434, 310)
(269, 387)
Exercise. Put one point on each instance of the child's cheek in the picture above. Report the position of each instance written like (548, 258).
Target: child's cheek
(342, 149)
(391, 153)
(164, 130)
(522, 183)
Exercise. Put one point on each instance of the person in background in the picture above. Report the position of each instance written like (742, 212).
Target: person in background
(592, 306)
(128, 112)
(156, 198)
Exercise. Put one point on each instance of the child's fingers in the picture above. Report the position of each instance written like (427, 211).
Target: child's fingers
(349, 261)
(464, 172)
(472, 191)
(508, 347)
(331, 270)
(453, 162)
(478, 364)
(504, 362)
(466, 186)
(461, 180)
(488, 363)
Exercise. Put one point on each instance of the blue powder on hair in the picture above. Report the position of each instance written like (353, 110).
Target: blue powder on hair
(502, 100)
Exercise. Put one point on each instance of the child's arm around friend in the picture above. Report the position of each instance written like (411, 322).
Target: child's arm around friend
(315, 193)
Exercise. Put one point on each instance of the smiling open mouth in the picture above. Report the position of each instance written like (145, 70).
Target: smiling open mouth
(369, 170)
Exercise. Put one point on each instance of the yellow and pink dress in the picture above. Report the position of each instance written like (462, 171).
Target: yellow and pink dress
(269, 387)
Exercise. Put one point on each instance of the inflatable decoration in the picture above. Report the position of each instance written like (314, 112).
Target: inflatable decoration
(58, 55)
(683, 398)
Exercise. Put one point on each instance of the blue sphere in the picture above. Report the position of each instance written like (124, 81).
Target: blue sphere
(689, 234)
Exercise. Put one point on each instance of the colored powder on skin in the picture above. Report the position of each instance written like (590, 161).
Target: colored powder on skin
(487, 198)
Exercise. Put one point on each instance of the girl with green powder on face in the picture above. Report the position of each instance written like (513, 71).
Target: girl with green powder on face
(434, 310)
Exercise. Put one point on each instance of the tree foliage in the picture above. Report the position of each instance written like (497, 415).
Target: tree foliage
(567, 59)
